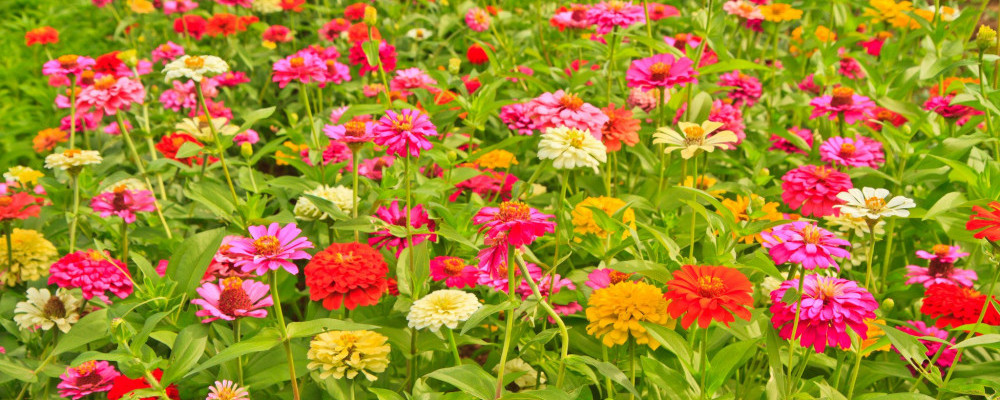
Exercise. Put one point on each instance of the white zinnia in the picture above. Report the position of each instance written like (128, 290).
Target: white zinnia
(873, 204)
(419, 34)
(72, 159)
(194, 67)
(340, 196)
(694, 137)
(43, 310)
(445, 307)
(570, 148)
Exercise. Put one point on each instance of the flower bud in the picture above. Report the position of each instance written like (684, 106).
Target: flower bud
(454, 65)
(986, 37)
(371, 16)
(246, 149)
(888, 304)
(121, 331)
(129, 57)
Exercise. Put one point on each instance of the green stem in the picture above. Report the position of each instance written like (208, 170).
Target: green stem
(694, 214)
(975, 327)
(511, 278)
(454, 346)
(883, 285)
(611, 60)
(795, 328)
(562, 199)
(142, 171)
(273, 275)
(649, 27)
(218, 145)
(631, 365)
(72, 112)
(610, 388)
(989, 119)
(544, 302)
(74, 180)
(870, 253)
(354, 190)
(854, 372)
(239, 359)
(703, 366)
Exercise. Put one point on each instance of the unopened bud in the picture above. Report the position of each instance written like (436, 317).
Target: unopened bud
(121, 331)
(454, 65)
(371, 16)
(986, 37)
(888, 304)
(246, 149)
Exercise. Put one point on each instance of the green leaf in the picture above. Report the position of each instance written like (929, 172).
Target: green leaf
(191, 259)
(672, 341)
(9, 368)
(90, 328)
(608, 370)
(253, 116)
(264, 341)
(948, 202)
(991, 340)
(188, 348)
(313, 327)
(370, 48)
(730, 65)
(471, 379)
(544, 394)
(482, 313)
(188, 149)
(728, 360)
(385, 394)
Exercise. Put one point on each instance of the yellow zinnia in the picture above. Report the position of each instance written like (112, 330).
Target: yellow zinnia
(753, 208)
(23, 175)
(32, 256)
(615, 312)
(875, 333)
(347, 353)
(583, 216)
(884, 10)
(496, 159)
(778, 12)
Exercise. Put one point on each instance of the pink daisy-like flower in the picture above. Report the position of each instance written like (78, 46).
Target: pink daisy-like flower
(492, 268)
(223, 263)
(85, 121)
(941, 268)
(394, 215)
(574, 17)
(947, 356)
(603, 277)
(517, 119)
(123, 202)
(233, 298)
(227, 390)
(178, 6)
(782, 144)
(410, 78)
(661, 71)
(353, 131)
(514, 221)
(745, 88)
(850, 68)
(551, 110)
(942, 106)
(303, 66)
(615, 13)
(829, 306)
(477, 19)
(814, 188)
(336, 72)
(404, 133)
(93, 273)
(66, 65)
(113, 129)
(731, 119)
(271, 247)
(804, 243)
(89, 377)
(646, 100)
(167, 52)
(844, 103)
(549, 285)
(454, 272)
(856, 152)
(109, 95)
(386, 54)
(230, 78)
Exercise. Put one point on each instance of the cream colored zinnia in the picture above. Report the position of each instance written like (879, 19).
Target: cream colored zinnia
(266, 6)
(873, 204)
(194, 67)
(517, 365)
(347, 353)
(445, 307)
(32, 255)
(42, 310)
(23, 175)
(340, 196)
(570, 148)
(199, 128)
(694, 137)
(72, 159)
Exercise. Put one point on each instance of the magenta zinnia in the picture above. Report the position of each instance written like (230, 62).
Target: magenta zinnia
(856, 152)
(515, 221)
(123, 202)
(395, 215)
(404, 133)
(271, 247)
(90, 377)
(844, 103)
(941, 268)
(814, 188)
(829, 306)
(806, 244)
(661, 71)
(233, 298)
(93, 273)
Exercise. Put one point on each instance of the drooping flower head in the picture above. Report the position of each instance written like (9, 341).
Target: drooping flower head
(514, 221)
(694, 138)
(829, 306)
(608, 15)
(123, 202)
(442, 308)
(233, 298)
(814, 189)
(396, 216)
(454, 271)
(873, 204)
(614, 313)
(805, 243)
(844, 103)
(852, 152)
(43, 310)
(348, 274)
(347, 353)
(271, 247)
(562, 109)
(94, 273)
(661, 71)
(709, 293)
(404, 133)
(941, 268)
(986, 222)
(87, 378)
(570, 148)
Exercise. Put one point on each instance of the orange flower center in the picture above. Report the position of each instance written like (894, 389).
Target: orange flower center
(847, 149)
(571, 101)
(71, 153)
(105, 82)
(822, 172)
(659, 71)
(616, 5)
(513, 211)
(166, 47)
(68, 60)
(618, 277)
(811, 234)
(297, 62)
(233, 297)
(941, 250)
(267, 245)
(711, 286)
(842, 96)
(87, 367)
(88, 374)
(694, 132)
(826, 288)
(403, 123)
(6, 201)
(354, 128)
(95, 255)
(194, 62)
(875, 204)
(454, 266)
(87, 77)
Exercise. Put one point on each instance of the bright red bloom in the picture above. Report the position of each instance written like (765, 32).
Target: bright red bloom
(355, 12)
(226, 24)
(987, 222)
(359, 33)
(292, 5)
(20, 205)
(123, 385)
(191, 25)
(171, 143)
(43, 35)
(277, 34)
(709, 293)
(953, 306)
(476, 54)
(348, 274)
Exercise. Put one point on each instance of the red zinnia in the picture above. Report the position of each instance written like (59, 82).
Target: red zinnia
(620, 128)
(224, 24)
(987, 222)
(953, 306)
(277, 34)
(170, 144)
(709, 293)
(292, 5)
(477, 55)
(43, 35)
(192, 25)
(355, 12)
(20, 205)
(123, 385)
(352, 274)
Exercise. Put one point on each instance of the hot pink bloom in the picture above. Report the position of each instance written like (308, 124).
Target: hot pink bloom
(941, 268)
(575, 17)
(123, 202)
(338, 113)
(658, 11)
(603, 277)
(247, 136)
(947, 357)
(885, 116)
(842, 104)
(108, 95)
(89, 377)
(515, 221)
(386, 53)
(731, 119)
(782, 144)
(230, 78)
(302, 66)
(353, 131)
(517, 119)
(874, 45)
(404, 133)
(850, 68)
(661, 71)
(330, 31)
(113, 130)
(185, 95)
(371, 168)
(804, 243)
(454, 272)
(223, 263)
(233, 298)
(493, 265)
(167, 52)
(336, 72)
(394, 215)
(488, 185)
(557, 109)
(85, 121)
(943, 107)
(829, 306)
(477, 19)
(271, 247)
(809, 85)
(609, 14)
(858, 152)
(410, 78)
(814, 188)
(66, 65)
(745, 88)
(277, 34)
(241, 3)
(178, 6)
(91, 271)
(547, 286)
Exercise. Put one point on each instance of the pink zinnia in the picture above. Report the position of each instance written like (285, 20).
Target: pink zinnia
(123, 202)
(247, 136)
(782, 144)
(396, 216)
(167, 52)
(814, 188)
(646, 100)
(488, 185)
(371, 168)
(492, 268)
(454, 272)
(109, 95)
(233, 298)
(515, 221)
(575, 17)
(943, 106)
(857, 152)
(920, 329)
(603, 277)
(745, 89)
(223, 263)
(386, 54)
(551, 110)
(271, 247)
(410, 78)
(477, 19)
(874, 45)
(302, 66)
(91, 271)
(829, 306)
(517, 119)
(549, 285)
(404, 133)
(661, 71)
(731, 119)
(90, 377)
(610, 14)
(804, 243)
(941, 268)
(230, 78)
(66, 65)
(277, 34)
(353, 131)
(844, 103)
(178, 6)
(809, 85)
(850, 68)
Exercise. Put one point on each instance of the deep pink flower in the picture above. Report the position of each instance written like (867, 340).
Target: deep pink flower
(947, 357)
(610, 14)
(943, 106)
(386, 53)
(488, 185)
(814, 188)
(454, 272)
(874, 45)
(809, 85)
(93, 273)
(109, 95)
(85, 121)
(178, 6)
(492, 267)
(394, 215)
(185, 95)
(517, 119)
(551, 110)
(330, 31)
(167, 52)
(277, 34)
(404, 133)
(87, 378)
(247, 136)
(603, 277)
(850, 68)
(782, 144)
(857, 152)
(884, 116)
(123, 202)
(410, 78)
(302, 66)
(573, 17)
(241, 3)
(223, 263)
(113, 130)
(371, 168)
(271, 247)
(549, 285)
(233, 298)
(66, 65)
(731, 119)
(745, 88)
(230, 78)
(336, 72)
(661, 71)
(829, 306)
(514, 221)
(941, 268)
(844, 103)
(353, 131)
(804, 243)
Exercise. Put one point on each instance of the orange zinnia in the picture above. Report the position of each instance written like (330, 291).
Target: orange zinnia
(47, 139)
(709, 293)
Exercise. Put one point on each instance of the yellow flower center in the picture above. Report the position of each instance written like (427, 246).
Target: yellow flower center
(847, 149)
(842, 96)
(226, 393)
(711, 286)
(575, 138)
(87, 367)
(105, 82)
(267, 245)
(166, 47)
(297, 62)
(354, 128)
(616, 5)
(87, 77)
(403, 123)
(822, 172)
(571, 101)
(194, 62)
(826, 288)
(875, 204)
(513, 211)
(71, 153)
(68, 60)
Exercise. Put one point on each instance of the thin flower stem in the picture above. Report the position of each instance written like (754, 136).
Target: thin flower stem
(989, 119)
(239, 359)
(562, 199)
(544, 302)
(611, 60)
(511, 278)
(694, 214)
(870, 253)
(142, 171)
(854, 372)
(75, 182)
(354, 190)
(649, 27)
(454, 346)
(703, 366)
(304, 93)
(273, 275)
(660, 121)
(795, 328)
(72, 112)
(883, 285)
(610, 388)
(631, 365)
(218, 145)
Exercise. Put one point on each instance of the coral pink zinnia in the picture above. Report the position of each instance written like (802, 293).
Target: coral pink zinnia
(814, 188)
(271, 247)
(404, 133)
(552, 110)
(844, 103)
(661, 71)
(302, 66)
(93, 273)
(123, 202)
(89, 377)
(396, 216)
(947, 356)
(620, 128)
(109, 95)
(233, 298)
(804, 243)
(829, 306)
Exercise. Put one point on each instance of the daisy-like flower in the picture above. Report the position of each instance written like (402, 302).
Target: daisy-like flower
(477, 19)
(123, 202)
(348, 274)
(496, 159)
(94, 273)
(24, 175)
(601, 278)
(69, 64)
(517, 119)
(515, 222)
(396, 215)
(804, 243)
(744, 89)
(570, 148)
(829, 307)
(109, 95)
(614, 313)
(419, 34)
(47, 139)
(615, 13)
(404, 133)
(19, 205)
(199, 128)
(411, 78)
(271, 247)
(454, 272)
(303, 66)
(753, 208)
(694, 138)
(227, 390)
(233, 298)
(620, 128)
(873, 204)
(844, 103)
(446, 308)
(814, 189)
(347, 353)
(661, 71)
(562, 109)
(778, 12)
(194, 68)
(72, 160)
(167, 52)
(708, 293)
(953, 306)
(43, 311)
(941, 268)
(340, 196)
(856, 152)
(986, 222)
(31, 256)
(583, 216)
(87, 378)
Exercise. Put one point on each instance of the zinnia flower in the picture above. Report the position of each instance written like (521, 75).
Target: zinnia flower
(778, 12)
(446, 307)
(987, 222)
(829, 306)
(517, 119)
(393, 215)
(873, 204)
(583, 215)
(47, 139)
(620, 128)
(124, 385)
(31, 256)
(109, 95)
(303, 66)
(89, 377)
(404, 133)
(814, 189)
(601, 278)
(565, 110)
(782, 144)
(953, 306)
(844, 103)
(614, 313)
(857, 152)
(454, 272)
(694, 138)
(227, 390)
(477, 19)
(947, 355)
(517, 223)
(348, 274)
(941, 268)
(615, 13)
(341, 353)
(804, 243)
(42, 310)
(233, 298)
(708, 293)
(194, 68)
(72, 160)
(341, 197)
(19, 205)
(661, 71)
(744, 89)
(570, 148)
(94, 273)
(271, 247)
(752, 208)
(123, 202)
